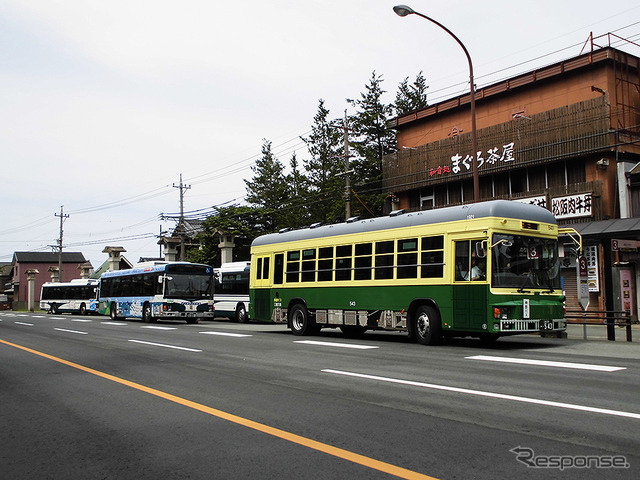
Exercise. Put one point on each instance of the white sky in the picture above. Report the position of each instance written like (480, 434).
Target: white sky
(103, 101)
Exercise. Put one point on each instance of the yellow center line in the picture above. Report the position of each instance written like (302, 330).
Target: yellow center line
(276, 432)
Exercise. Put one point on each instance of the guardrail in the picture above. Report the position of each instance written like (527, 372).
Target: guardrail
(609, 319)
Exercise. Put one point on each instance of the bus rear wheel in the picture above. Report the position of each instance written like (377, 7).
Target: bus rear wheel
(427, 326)
(241, 314)
(299, 320)
(146, 314)
(83, 309)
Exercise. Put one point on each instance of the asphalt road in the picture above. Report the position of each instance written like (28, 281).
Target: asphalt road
(85, 397)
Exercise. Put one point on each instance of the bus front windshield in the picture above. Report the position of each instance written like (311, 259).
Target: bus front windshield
(189, 287)
(525, 263)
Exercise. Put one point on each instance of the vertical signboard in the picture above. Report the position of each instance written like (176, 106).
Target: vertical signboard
(626, 291)
(583, 282)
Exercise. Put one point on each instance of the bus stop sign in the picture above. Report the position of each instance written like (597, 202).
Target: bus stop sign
(583, 282)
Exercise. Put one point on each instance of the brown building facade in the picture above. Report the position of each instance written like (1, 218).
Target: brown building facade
(564, 137)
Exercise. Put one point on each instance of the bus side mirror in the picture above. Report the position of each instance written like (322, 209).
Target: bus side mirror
(481, 249)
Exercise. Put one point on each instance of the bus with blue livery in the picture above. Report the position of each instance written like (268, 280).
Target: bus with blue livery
(158, 290)
(76, 296)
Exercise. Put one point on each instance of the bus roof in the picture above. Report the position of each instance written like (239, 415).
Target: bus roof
(493, 208)
(75, 282)
(234, 267)
(150, 267)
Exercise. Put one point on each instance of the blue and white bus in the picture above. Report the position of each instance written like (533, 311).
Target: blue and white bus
(158, 290)
(76, 296)
(232, 291)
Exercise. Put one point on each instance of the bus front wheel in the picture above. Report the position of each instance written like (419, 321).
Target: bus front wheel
(427, 325)
(83, 309)
(113, 312)
(300, 322)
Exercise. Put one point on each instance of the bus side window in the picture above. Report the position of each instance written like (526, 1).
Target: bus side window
(462, 260)
(259, 270)
(265, 268)
(278, 269)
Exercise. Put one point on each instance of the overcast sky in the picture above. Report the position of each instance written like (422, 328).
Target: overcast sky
(105, 103)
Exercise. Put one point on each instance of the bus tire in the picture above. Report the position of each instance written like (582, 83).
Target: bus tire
(113, 311)
(299, 320)
(427, 325)
(83, 309)
(241, 313)
(146, 313)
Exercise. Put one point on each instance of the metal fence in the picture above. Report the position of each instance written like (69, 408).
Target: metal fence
(606, 318)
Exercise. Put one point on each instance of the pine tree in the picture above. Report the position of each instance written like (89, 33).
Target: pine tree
(323, 169)
(374, 140)
(411, 97)
(268, 190)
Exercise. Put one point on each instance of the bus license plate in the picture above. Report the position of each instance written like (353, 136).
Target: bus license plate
(546, 325)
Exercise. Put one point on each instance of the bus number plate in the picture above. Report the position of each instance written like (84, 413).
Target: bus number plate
(546, 325)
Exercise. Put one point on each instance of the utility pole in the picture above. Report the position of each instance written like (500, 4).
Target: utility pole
(182, 188)
(345, 174)
(347, 187)
(63, 217)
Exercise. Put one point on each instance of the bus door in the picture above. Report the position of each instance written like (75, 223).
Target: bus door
(469, 285)
(262, 282)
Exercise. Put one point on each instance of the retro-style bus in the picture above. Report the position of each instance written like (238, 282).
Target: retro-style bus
(76, 296)
(487, 269)
(158, 290)
(232, 290)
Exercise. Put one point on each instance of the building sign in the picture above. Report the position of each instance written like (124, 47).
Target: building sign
(591, 254)
(494, 155)
(572, 206)
(563, 208)
(624, 245)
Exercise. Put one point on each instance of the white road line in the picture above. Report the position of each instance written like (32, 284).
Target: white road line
(546, 363)
(114, 323)
(38, 316)
(59, 318)
(24, 323)
(480, 393)
(159, 328)
(71, 331)
(227, 334)
(81, 320)
(334, 344)
(165, 346)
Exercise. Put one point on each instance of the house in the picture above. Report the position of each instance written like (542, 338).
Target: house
(47, 265)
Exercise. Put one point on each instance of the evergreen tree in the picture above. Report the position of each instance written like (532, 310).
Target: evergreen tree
(326, 187)
(374, 140)
(411, 97)
(299, 200)
(269, 191)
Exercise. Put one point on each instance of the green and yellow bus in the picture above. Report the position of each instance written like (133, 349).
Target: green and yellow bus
(486, 270)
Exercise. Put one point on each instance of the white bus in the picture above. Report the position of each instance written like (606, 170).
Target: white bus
(76, 296)
(232, 291)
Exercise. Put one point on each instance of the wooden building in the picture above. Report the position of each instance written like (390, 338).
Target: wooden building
(564, 136)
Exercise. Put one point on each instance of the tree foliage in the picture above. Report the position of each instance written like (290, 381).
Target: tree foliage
(411, 97)
(313, 190)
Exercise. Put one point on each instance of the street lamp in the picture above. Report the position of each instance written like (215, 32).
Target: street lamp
(403, 11)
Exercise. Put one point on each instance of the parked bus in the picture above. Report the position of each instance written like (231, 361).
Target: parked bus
(158, 290)
(487, 269)
(232, 290)
(76, 296)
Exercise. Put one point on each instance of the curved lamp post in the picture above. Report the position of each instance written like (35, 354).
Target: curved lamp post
(403, 11)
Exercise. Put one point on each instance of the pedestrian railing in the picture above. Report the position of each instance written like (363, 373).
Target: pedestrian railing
(609, 319)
